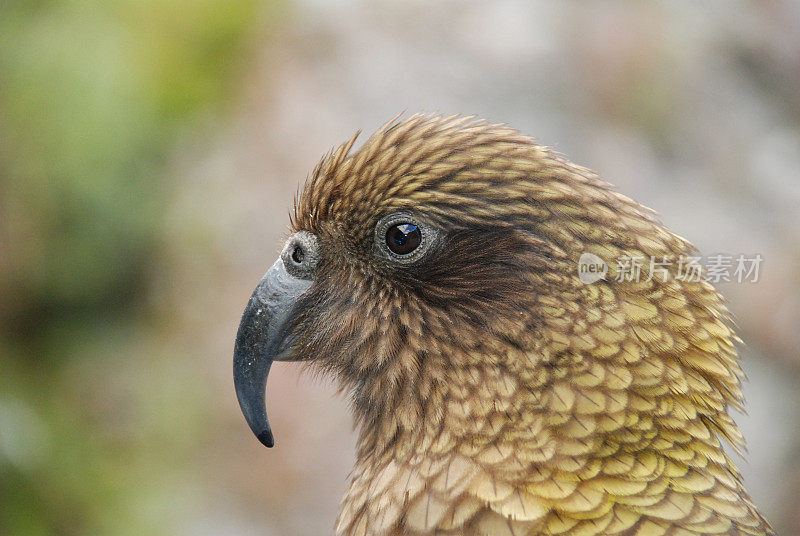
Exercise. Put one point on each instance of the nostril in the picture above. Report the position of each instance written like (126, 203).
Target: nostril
(298, 254)
(301, 254)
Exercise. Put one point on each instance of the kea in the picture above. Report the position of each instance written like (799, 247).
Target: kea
(434, 272)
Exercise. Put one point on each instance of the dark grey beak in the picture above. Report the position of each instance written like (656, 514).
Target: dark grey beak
(265, 335)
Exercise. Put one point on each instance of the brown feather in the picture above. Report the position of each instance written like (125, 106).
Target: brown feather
(495, 393)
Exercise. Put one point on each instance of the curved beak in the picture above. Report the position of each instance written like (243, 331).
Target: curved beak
(265, 335)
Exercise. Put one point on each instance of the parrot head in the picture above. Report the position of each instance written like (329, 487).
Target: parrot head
(435, 273)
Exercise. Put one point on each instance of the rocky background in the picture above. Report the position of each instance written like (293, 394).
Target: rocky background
(149, 154)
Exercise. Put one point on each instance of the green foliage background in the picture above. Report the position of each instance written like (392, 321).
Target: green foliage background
(93, 95)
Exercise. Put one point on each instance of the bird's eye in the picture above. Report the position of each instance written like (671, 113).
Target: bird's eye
(403, 238)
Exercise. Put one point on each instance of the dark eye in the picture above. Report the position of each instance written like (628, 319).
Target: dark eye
(403, 238)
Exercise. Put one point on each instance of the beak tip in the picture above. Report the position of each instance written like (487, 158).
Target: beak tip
(266, 438)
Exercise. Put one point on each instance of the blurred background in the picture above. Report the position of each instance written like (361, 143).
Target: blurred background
(149, 153)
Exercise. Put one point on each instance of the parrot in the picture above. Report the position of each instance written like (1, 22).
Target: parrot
(435, 273)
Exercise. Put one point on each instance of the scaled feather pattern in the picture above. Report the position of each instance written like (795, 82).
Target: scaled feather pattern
(495, 394)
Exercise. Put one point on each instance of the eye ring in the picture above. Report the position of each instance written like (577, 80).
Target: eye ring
(402, 237)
